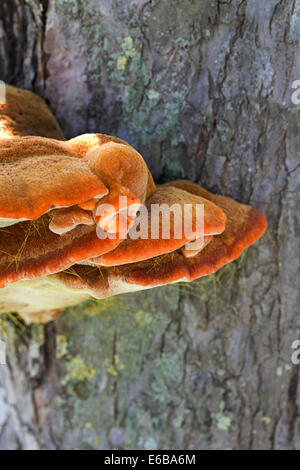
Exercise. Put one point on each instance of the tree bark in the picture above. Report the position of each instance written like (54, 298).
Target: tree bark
(202, 88)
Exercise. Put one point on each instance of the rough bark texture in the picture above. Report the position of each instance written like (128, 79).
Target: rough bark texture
(202, 88)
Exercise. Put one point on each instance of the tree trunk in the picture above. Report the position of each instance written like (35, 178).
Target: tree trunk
(202, 88)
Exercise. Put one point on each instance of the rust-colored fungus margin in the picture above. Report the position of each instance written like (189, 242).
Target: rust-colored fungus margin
(53, 195)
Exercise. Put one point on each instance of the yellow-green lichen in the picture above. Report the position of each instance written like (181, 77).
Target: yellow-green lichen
(266, 419)
(223, 423)
(143, 318)
(78, 371)
(121, 63)
(128, 47)
(279, 371)
(153, 95)
(61, 346)
(117, 366)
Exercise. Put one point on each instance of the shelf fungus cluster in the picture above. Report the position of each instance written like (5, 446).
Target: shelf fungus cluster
(54, 195)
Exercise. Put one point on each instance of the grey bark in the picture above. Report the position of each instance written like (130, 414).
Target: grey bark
(202, 88)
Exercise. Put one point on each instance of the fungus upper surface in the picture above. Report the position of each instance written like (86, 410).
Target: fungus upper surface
(25, 113)
(38, 174)
(115, 161)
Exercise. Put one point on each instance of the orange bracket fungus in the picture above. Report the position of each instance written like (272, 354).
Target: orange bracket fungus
(83, 218)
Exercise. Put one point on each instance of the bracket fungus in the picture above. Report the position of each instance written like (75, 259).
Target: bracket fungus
(76, 217)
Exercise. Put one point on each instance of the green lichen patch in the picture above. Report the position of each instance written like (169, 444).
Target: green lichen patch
(128, 47)
(78, 371)
(61, 346)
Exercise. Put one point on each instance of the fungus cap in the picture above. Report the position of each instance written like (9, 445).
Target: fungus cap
(84, 144)
(38, 174)
(119, 163)
(24, 113)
